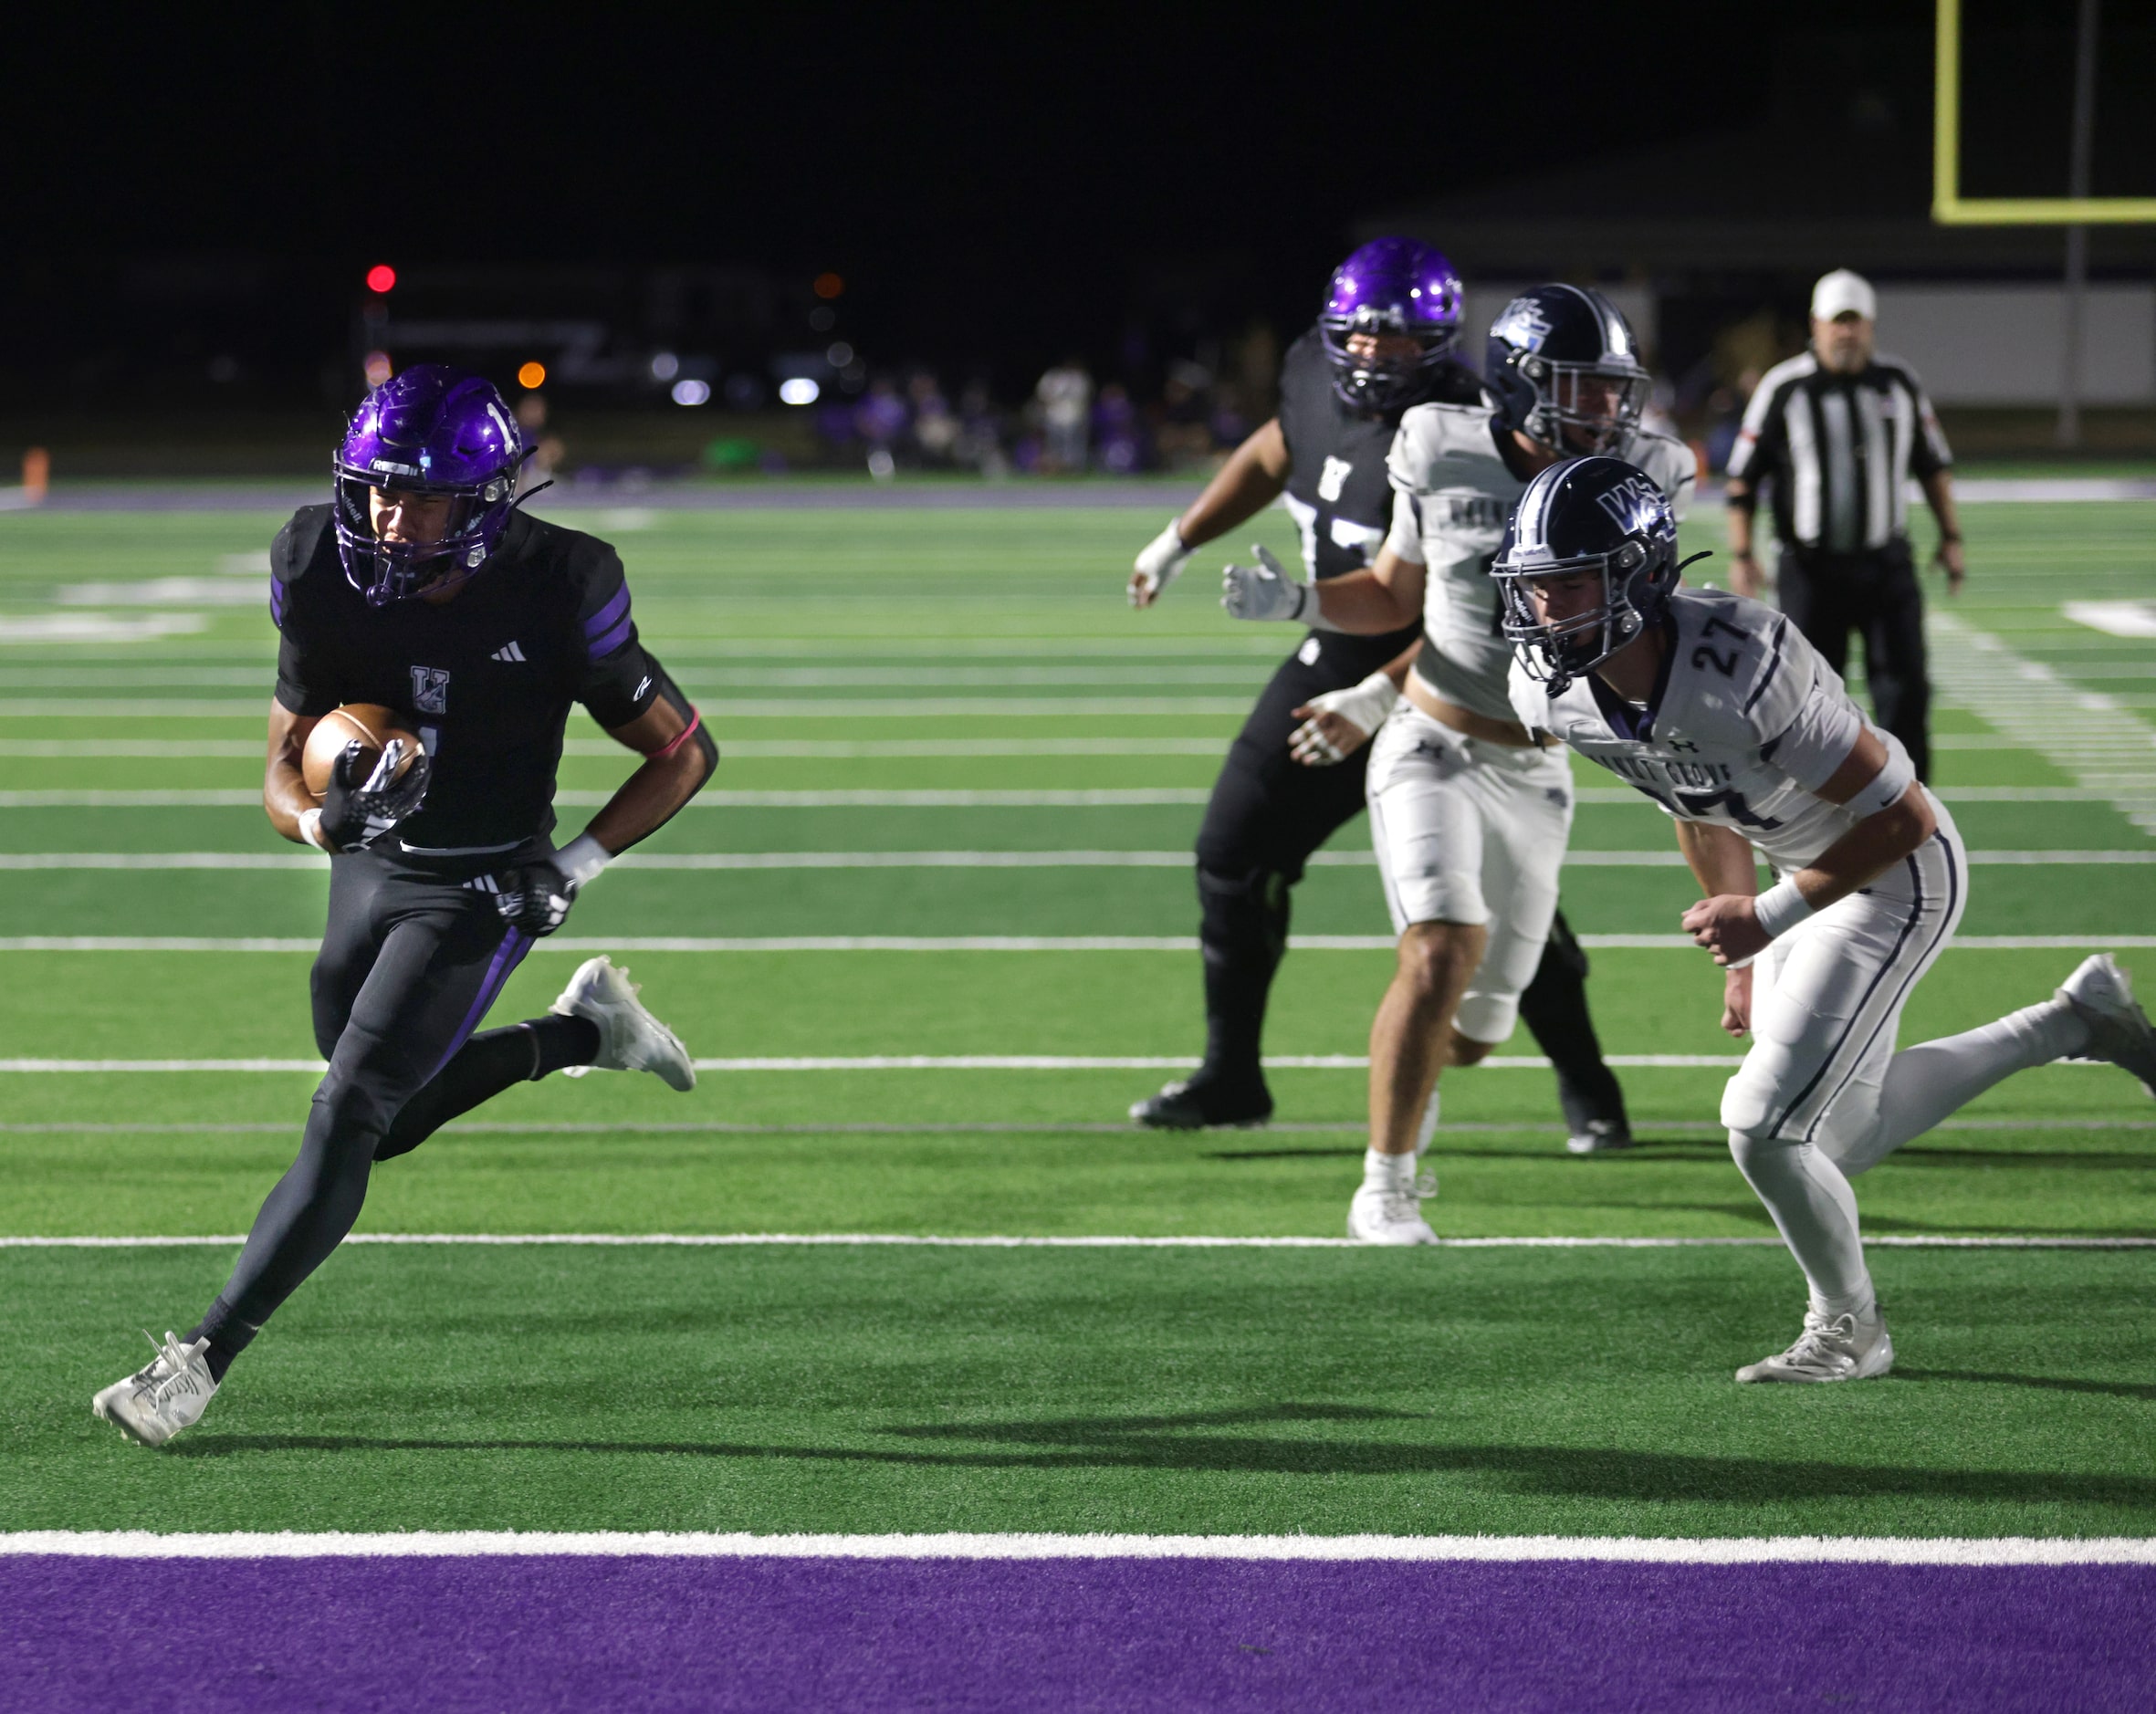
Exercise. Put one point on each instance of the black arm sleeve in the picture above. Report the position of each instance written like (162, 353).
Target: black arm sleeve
(615, 679)
(306, 674)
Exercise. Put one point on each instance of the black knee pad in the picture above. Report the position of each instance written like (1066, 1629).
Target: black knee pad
(1243, 913)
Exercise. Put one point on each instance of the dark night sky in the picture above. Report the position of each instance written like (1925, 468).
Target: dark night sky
(1010, 171)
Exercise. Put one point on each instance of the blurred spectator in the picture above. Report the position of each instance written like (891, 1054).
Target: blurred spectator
(546, 449)
(880, 419)
(1119, 445)
(1181, 433)
(935, 429)
(1065, 396)
(980, 444)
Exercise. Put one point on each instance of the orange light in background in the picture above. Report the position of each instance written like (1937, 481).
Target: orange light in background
(378, 368)
(829, 286)
(532, 375)
(381, 278)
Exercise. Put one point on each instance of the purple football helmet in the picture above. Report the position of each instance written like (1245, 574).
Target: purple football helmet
(1390, 285)
(430, 430)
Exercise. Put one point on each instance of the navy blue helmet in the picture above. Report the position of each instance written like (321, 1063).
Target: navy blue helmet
(1563, 365)
(1595, 516)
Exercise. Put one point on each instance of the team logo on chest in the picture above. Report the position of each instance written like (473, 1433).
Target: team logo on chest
(430, 689)
(1332, 478)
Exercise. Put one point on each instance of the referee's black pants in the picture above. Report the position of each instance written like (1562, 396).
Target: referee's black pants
(410, 961)
(1267, 814)
(1874, 594)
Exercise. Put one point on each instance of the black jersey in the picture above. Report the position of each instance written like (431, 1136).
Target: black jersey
(1338, 493)
(485, 677)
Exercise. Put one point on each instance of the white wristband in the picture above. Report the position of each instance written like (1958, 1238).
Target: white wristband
(1780, 909)
(311, 829)
(581, 859)
(1312, 611)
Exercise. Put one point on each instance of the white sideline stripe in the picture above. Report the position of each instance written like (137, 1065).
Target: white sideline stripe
(932, 1062)
(1114, 797)
(977, 943)
(907, 1240)
(2091, 738)
(757, 860)
(1777, 1550)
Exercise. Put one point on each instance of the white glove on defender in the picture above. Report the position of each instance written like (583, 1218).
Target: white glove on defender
(1362, 706)
(1155, 568)
(1265, 590)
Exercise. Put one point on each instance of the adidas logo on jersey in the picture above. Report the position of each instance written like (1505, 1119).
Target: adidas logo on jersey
(508, 652)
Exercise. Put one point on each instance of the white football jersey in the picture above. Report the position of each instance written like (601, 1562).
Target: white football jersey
(1746, 723)
(1452, 493)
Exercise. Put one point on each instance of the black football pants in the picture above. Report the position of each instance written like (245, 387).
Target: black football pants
(410, 962)
(1877, 595)
(1267, 814)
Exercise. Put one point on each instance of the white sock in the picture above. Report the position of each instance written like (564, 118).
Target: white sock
(1816, 1211)
(1927, 1083)
(1430, 1123)
(1862, 1305)
(1386, 1171)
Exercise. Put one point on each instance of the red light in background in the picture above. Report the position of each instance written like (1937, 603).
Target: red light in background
(829, 286)
(381, 278)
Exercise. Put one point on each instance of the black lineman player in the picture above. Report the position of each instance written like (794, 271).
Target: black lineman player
(422, 588)
(1294, 775)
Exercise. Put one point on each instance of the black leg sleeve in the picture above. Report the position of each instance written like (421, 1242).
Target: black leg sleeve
(1268, 812)
(486, 1065)
(436, 972)
(1555, 1010)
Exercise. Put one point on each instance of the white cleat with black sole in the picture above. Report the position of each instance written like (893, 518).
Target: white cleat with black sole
(1838, 1348)
(1391, 1214)
(629, 1038)
(2118, 1030)
(154, 1404)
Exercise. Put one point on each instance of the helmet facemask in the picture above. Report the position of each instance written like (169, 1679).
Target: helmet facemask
(1377, 384)
(388, 572)
(1635, 578)
(1582, 409)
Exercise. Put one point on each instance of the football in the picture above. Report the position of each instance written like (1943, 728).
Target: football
(365, 723)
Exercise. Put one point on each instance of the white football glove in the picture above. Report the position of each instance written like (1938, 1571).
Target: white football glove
(1155, 568)
(1320, 741)
(1265, 590)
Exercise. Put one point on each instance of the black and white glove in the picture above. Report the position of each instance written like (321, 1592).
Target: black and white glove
(535, 897)
(1265, 590)
(356, 810)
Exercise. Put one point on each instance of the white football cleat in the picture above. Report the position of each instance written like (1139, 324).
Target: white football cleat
(1391, 1214)
(629, 1038)
(1600, 1136)
(154, 1404)
(2118, 1030)
(1847, 1348)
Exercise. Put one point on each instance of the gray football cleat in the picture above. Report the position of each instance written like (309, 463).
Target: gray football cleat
(154, 1404)
(629, 1038)
(2118, 1030)
(1392, 1214)
(1846, 1348)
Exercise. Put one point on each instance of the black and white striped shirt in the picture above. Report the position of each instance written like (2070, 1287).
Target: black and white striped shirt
(1840, 450)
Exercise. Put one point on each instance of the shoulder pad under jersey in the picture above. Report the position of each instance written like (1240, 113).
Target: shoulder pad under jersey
(1671, 464)
(306, 538)
(1442, 446)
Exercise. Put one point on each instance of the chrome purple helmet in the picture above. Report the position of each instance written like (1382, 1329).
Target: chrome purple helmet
(430, 430)
(1390, 285)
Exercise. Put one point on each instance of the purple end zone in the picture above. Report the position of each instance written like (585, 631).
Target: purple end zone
(533, 1633)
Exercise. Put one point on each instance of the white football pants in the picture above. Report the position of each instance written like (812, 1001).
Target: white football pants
(1823, 1096)
(1468, 832)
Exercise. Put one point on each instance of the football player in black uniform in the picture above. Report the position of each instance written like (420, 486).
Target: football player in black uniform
(1294, 775)
(422, 588)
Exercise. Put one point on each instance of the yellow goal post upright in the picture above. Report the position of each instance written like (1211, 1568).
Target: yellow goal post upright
(1950, 208)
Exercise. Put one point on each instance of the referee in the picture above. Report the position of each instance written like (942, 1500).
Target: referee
(1838, 432)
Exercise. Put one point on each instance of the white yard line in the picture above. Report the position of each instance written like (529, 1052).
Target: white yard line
(788, 859)
(975, 942)
(1781, 1550)
(907, 1240)
(2089, 737)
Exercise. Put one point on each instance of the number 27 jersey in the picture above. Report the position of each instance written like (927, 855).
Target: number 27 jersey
(1746, 723)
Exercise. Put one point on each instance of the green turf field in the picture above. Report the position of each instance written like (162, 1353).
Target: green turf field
(974, 681)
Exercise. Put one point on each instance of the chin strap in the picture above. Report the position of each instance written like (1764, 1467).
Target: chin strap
(1705, 553)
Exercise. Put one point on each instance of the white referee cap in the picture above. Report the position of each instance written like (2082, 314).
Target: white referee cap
(1841, 291)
